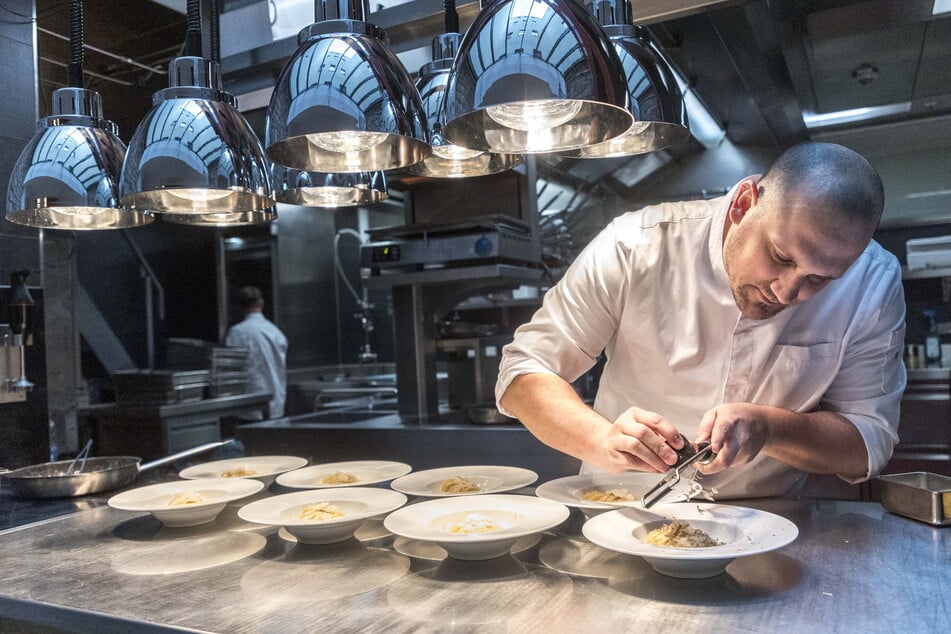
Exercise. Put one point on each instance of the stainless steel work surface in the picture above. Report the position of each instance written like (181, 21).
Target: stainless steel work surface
(853, 567)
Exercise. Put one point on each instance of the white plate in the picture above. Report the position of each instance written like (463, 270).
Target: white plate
(366, 471)
(265, 468)
(743, 531)
(214, 494)
(490, 479)
(357, 503)
(516, 515)
(570, 490)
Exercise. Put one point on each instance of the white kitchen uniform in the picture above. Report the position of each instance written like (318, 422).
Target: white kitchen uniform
(267, 360)
(652, 292)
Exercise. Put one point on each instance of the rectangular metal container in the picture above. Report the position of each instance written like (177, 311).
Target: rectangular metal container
(919, 495)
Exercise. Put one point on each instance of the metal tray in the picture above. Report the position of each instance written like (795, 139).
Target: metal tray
(920, 495)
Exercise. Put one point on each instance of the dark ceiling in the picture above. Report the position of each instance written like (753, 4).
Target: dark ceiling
(758, 66)
(139, 31)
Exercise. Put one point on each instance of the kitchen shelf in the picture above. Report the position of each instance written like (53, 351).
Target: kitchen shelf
(926, 273)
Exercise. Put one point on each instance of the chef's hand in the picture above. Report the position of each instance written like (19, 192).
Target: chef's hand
(737, 432)
(638, 439)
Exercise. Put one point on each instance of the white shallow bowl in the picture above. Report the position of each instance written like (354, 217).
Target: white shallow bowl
(571, 490)
(265, 468)
(743, 531)
(366, 471)
(358, 504)
(155, 498)
(489, 479)
(517, 516)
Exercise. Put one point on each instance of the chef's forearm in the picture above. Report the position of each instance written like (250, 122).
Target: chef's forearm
(550, 408)
(816, 442)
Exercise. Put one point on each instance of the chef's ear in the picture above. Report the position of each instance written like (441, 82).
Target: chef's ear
(746, 196)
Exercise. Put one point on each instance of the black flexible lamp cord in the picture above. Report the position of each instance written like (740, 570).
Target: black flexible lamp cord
(193, 29)
(213, 36)
(452, 17)
(74, 69)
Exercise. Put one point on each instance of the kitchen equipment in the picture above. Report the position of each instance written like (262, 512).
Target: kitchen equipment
(472, 366)
(80, 459)
(683, 468)
(494, 237)
(923, 253)
(53, 480)
(920, 495)
(160, 387)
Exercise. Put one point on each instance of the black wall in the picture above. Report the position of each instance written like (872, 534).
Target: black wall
(23, 426)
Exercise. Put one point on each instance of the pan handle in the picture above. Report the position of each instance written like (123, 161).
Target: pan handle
(184, 454)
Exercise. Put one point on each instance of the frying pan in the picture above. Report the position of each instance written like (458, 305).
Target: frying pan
(52, 480)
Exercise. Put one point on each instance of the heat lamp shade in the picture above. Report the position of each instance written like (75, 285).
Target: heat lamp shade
(535, 76)
(327, 189)
(194, 153)
(224, 219)
(345, 103)
(657, 102)
(448, 160)
(67, 176)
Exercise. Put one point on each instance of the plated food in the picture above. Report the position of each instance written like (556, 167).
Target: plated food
(596, 493)
(684, 535)
(186, 502)
(476, 527)
(464, 480)
(353, 473)
(322, 516)
(263, 468)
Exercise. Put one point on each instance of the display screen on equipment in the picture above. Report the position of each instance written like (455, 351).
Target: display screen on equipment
(386, 253)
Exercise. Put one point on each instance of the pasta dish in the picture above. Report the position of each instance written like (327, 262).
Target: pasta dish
(474, 523)
(238, 472)
(611, 495)
(458, 484)
(185, 498)
(320, 512)
(679, 534)
(339, 477)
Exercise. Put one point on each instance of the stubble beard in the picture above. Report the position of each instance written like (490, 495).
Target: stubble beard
(753, 308)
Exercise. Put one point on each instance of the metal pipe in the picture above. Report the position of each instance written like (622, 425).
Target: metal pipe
(125, 60)
(149, 320)
(88, 72)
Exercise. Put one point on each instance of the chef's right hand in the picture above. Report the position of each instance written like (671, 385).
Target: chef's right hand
(638, 439)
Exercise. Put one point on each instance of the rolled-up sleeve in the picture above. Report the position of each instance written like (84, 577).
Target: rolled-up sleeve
(578, 316)
(869, 386)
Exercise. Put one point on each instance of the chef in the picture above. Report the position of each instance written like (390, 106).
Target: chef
(767, 322)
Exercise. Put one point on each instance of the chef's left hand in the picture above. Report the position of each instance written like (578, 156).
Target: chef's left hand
(737, 432)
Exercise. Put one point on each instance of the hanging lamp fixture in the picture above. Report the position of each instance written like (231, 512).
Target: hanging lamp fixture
(327, 189)
(67, 176)
(535, 76)
(194, 153)
(344, 102)
(448, 160)
(657, 103)
(223, 219)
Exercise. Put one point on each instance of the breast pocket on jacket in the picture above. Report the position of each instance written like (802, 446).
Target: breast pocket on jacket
(796, 376)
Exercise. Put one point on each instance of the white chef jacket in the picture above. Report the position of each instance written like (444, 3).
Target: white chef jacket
(267, 360)
(652, 292)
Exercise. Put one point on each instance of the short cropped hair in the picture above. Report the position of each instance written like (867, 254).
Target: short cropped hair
(838, 178)
(250, 297)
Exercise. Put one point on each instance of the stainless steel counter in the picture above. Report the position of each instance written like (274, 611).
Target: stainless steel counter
(853, 567)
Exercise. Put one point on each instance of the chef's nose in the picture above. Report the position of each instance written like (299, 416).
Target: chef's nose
(787, 288)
